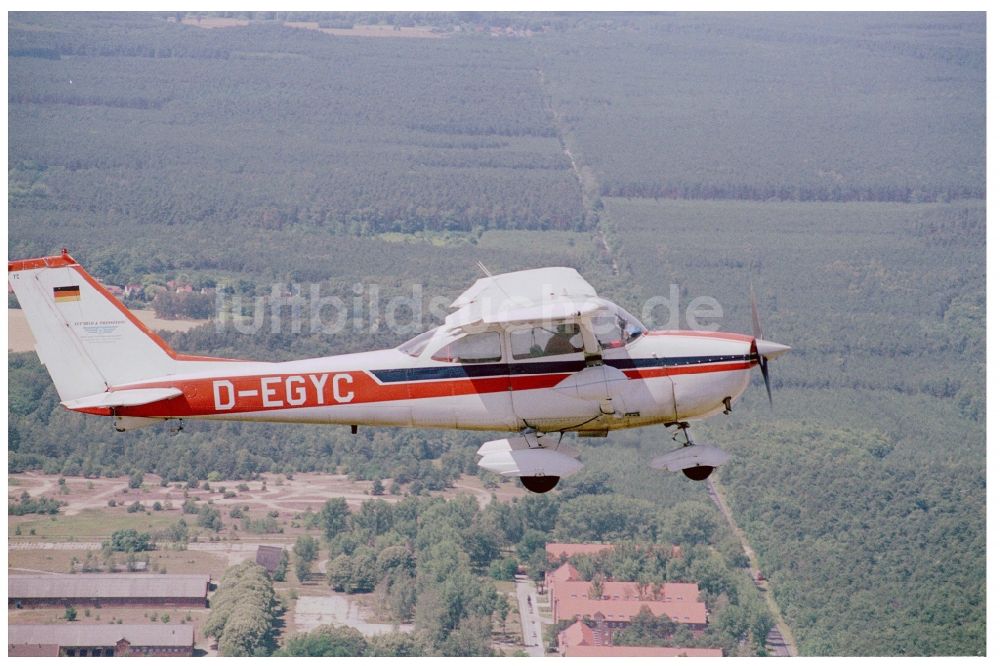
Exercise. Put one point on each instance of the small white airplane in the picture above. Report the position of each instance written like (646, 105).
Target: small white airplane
(534, 352)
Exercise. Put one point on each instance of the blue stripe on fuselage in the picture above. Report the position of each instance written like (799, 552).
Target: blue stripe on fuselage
(479, 370)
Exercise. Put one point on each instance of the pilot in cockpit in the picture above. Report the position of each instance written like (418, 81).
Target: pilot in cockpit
(561, 341)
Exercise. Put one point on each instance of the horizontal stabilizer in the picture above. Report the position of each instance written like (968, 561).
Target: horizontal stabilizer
(127, 398)
(690, 456)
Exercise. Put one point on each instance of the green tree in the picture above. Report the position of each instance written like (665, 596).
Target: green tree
(70, 614)
(281, 570)
(761, 623)
(374, 517)
(393, 558)
(502, 610)
(326, 641)
(471, 638)
(302, 569)
(135, 478)
(129, 541)
(306, 548)
(692, 523)
(209, 518)
(243, 612)
(334, 516)
(395, 644)
(646, 629)
(504, 569)
(338, 573)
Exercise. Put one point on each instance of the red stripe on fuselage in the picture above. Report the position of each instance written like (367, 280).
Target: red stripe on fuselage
(261, 393)
(650, 373)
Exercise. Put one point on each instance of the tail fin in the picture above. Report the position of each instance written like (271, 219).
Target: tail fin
(87, 339)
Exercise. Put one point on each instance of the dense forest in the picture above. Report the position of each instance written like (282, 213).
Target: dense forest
(837, 161)
(864, 487)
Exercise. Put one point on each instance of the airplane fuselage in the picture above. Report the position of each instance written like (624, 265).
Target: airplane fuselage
(532, 352)
(660, 377)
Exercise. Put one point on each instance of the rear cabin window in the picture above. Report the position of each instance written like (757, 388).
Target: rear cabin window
(539, 341)
(473, 348)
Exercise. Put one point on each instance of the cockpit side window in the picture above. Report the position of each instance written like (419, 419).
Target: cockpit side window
(546, 341)
(472, 348)
(415, 346)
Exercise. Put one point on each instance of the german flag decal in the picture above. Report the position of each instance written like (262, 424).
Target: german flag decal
(66, 294)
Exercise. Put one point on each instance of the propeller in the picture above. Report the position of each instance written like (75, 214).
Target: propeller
(765, 348)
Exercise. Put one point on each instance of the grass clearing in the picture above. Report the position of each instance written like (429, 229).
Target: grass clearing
(88, 524)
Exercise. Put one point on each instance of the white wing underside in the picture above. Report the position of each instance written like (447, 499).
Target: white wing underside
(543, 294)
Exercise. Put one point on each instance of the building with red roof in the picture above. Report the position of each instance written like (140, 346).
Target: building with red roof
(566, 572)
(575, 634)
(621, 600)
(573, 588)
(620, 613)
(581, 640)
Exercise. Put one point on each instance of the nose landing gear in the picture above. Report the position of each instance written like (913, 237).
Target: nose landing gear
(698, 472)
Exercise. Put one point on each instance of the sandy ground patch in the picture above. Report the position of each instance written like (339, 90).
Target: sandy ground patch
(214, 22)
(369, 30)
(88, 518)
(20, 338)
(315, 611)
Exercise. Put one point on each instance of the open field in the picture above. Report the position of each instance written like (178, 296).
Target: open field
(20, 339)
(87, 525)
(189, 561)
(88, 517)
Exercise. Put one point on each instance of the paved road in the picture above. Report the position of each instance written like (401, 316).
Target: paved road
(531, 624)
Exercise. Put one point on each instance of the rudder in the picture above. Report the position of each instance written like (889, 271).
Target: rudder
(88, 341)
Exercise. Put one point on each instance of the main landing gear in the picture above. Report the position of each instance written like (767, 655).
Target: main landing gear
(529, 456)
(539, 484)
(696, 461)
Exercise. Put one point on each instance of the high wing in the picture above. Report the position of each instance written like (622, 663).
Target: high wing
(523, 297)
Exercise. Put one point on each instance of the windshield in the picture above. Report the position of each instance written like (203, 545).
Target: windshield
(415, 346)
(616, 328)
